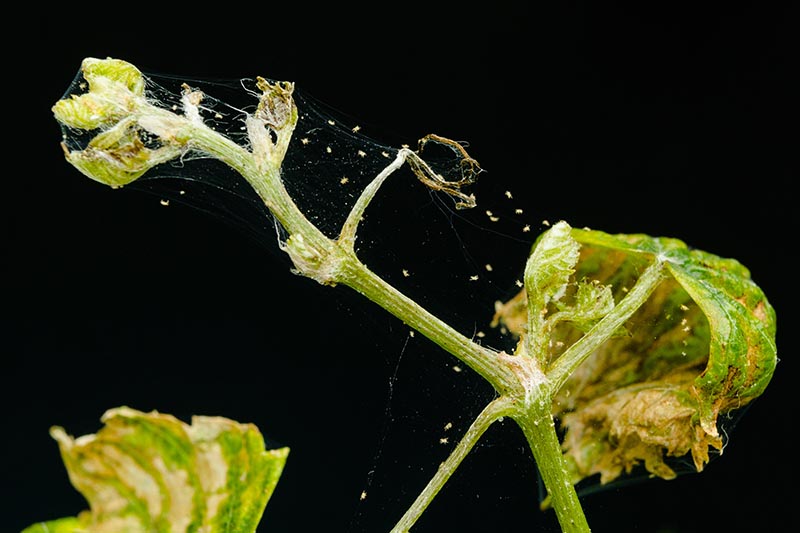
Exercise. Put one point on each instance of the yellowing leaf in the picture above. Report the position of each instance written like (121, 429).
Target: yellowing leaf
(702, 345)
(113, 87)
(150, 472)
(118, 156)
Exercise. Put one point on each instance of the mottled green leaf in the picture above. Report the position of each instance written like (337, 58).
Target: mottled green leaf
(703, 345)
(150, 472)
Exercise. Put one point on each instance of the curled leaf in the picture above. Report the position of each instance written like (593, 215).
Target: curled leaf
(126, 144)
(550, 266)
(119, 156)
(147, 472)
(113, 89)
(131, 130)
(547, 274)
(465, 170)
(701, 346)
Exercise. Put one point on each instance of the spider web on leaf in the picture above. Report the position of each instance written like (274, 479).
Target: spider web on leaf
(414, 238)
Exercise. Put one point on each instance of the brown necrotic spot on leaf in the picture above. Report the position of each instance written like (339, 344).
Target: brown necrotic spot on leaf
(701, 346)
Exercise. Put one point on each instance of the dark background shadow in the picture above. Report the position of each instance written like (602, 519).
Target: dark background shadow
(666, 120)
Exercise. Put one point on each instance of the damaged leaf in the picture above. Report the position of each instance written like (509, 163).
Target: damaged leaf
(548, 272)
(550, 266)
(702, 346)
(118, 156)
(150, 472)
(126, 141)
(113, 89)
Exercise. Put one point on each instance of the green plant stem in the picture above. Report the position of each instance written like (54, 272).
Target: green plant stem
(337, 264)
(267, 183)
(526, 382)
(536, 420)
(539, 429)
(347, 236)
(344, 267)
(497, 409)
(482, 360)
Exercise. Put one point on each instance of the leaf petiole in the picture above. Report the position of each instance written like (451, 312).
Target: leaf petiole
(497, 409)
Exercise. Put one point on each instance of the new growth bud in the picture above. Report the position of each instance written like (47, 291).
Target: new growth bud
(133, 135)
(113, 90)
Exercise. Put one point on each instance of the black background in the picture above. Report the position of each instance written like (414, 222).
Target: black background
(668, 120)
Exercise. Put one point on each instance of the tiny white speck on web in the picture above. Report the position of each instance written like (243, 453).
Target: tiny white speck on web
(330, 160)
